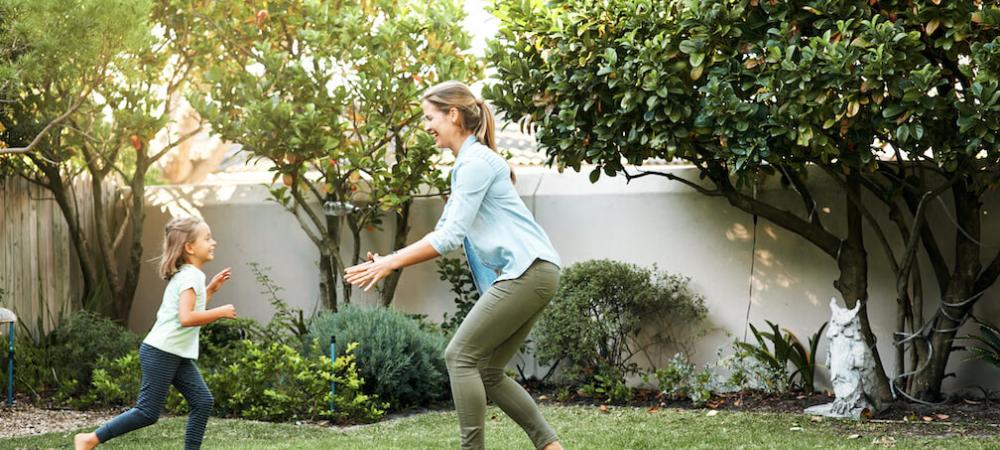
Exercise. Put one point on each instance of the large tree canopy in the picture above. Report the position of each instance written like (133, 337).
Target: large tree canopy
(83, 92)
(329, 93)
(893, 99)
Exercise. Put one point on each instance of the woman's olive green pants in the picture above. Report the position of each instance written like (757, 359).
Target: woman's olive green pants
(486, 340)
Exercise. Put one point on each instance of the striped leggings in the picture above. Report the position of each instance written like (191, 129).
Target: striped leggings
(160, 370)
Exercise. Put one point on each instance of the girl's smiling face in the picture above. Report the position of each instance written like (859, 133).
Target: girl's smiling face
(202, 248)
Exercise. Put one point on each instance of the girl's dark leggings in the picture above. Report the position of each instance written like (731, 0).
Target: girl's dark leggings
(160, 370)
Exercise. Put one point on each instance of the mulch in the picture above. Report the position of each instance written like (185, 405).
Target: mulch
(25, 419)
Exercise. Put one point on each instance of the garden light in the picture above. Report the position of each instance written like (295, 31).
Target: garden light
(339, 209)
(8, 316)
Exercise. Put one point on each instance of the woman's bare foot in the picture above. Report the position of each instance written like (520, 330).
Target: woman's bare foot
(553, 446)
(87, 441)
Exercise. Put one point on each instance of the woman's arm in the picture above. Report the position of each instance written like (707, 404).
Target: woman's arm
(471, 182)
(191, 318)
(378, 267)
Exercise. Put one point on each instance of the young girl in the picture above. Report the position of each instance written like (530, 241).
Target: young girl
(510, 256)
(168, 353)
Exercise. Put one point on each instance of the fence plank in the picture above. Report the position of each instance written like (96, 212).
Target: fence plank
(37, 263)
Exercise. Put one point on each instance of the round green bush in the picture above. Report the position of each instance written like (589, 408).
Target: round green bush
(594, 321)
(400, 362)
(75, 346)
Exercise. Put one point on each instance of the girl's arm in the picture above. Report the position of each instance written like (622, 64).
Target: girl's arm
(191, 318)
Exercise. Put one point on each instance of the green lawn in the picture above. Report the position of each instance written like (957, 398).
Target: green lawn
(579, 427)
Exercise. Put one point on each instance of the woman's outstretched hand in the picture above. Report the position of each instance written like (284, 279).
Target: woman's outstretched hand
(368, 273)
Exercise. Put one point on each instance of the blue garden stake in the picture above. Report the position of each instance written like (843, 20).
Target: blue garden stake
(333, 380)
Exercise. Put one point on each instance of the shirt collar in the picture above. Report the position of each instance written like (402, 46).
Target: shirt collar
(465, 145)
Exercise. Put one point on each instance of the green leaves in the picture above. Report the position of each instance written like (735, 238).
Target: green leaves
(599, 311)
(785, 349)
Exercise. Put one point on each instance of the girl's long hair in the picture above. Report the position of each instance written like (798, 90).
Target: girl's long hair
(179, 231)
(477, 117)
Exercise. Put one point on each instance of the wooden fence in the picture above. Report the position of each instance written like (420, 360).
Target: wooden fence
(39, 273)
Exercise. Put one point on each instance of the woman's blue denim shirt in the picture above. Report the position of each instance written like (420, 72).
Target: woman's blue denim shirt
(486, 216)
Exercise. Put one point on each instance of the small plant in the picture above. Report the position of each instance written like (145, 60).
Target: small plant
(563, 394)
(608, 386)
(785, 348)
(287, 325)
(458, 275)
(701, 387)
(679, 379)
(674, 379)
(115, 382)
(989, 344)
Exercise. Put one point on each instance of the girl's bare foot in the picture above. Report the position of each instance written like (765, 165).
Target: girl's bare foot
(553, 446)
(86, 441)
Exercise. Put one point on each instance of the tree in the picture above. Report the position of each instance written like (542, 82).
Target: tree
(888, 99)
(328, 93)
(117, 79)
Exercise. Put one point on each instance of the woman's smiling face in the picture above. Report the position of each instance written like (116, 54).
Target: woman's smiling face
(443, 126)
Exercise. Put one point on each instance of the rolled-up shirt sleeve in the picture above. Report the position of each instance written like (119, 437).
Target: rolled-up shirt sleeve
(472, 179)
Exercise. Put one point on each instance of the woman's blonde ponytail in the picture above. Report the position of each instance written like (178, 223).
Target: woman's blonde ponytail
(477, 117)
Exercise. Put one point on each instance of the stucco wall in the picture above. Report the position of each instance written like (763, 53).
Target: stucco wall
(651, 220)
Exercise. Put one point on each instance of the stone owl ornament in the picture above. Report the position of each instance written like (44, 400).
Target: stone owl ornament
(852, 366)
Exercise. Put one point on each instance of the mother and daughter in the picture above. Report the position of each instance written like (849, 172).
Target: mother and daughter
(514, 265)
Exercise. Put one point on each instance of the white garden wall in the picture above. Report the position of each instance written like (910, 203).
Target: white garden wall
(651, 220)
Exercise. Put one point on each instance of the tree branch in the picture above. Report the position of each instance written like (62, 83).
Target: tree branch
(644, 173)
(803, 191)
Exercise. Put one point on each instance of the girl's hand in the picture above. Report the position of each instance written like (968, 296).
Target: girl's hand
(218, 280)
(368, 273)
(227, 311)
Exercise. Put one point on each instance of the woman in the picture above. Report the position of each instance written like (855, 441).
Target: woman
(514, 265)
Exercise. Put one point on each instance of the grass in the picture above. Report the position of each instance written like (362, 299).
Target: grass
(579, 428)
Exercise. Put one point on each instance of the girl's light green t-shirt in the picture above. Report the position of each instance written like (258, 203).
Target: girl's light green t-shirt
(167, 333)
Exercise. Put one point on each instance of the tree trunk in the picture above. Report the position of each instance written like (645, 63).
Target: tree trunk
(957, 301)
(853, 282)
(106, 260)
(64, 199)
(328, 281)
(334, 225)
(137, 216)
(398, 241)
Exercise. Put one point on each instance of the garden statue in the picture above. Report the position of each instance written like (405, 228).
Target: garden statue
(852, 367)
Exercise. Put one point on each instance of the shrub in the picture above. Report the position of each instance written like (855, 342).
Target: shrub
(609, 386)
(403, 363)
(115, 382)
(274, 382)
(79, 343)
(218, 339)
(59, 364)
(261, 382)
(594, 321)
